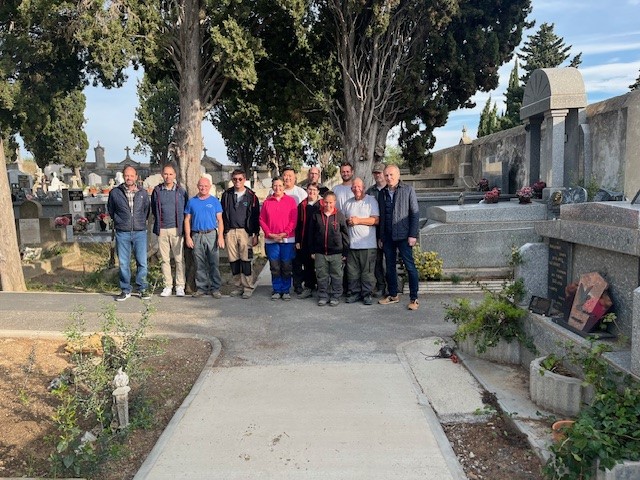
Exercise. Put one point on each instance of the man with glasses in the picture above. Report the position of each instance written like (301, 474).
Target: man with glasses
(204, 233)
(313, 176)
(241, 218)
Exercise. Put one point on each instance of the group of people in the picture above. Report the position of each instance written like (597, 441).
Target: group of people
(315, 239)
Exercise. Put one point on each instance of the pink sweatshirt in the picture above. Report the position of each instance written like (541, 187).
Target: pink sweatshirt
(278, 216)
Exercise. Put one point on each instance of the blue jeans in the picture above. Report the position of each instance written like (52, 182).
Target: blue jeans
(390, 247)
(280, 257)
(136, 242)
(207, 257)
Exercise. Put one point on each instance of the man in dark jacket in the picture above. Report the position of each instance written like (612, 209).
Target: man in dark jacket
(329, 246)
(167, 204)
(241, 214)
(399, 223)
(128, 205)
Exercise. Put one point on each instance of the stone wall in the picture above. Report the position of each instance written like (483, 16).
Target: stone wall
(612, 153)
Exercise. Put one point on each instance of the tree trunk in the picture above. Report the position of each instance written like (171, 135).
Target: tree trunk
(189, 131)
(11, 276)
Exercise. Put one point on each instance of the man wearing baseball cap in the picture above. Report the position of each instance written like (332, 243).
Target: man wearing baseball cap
(374, 191)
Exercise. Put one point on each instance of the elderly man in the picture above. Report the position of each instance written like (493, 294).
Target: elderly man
(128, 206)
(399, 222)
(241, 214)
(167, 204)
(374, 190)
(362, 215)
(313, 176)
(204, 233)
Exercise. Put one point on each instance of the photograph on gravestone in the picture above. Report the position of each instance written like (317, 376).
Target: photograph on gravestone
(590, 302)
(560, 257)
(540, 306)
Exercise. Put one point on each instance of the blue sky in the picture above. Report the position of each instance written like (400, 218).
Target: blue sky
(607, 34)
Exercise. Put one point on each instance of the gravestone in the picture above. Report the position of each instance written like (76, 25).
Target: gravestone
(574, 195)
(29, 223)
(560, 255)
(94, 179)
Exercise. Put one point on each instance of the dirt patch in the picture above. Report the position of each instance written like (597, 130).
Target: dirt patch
(493, 451)
(26, 406)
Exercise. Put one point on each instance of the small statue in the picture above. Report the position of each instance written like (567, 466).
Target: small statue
(461, 198)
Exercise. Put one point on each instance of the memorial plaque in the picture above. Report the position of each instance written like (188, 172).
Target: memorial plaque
(23, 181)
(29, 231)
(587, 308)
(560, 254)
(76, 196)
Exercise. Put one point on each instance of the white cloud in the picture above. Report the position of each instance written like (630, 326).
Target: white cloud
(611, 78)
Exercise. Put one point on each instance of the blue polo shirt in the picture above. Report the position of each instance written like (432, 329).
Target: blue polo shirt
(203, 213)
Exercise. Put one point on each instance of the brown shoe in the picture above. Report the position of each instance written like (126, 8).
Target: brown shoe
(389, 300)
(413, 305)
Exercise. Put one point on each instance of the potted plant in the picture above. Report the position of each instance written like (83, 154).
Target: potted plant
(492, 195)
(483, 185)
(538, 187)
(104, 221)
(492, 329)
(525, 194)
(61, 221)
(554, 387)
(605, 432)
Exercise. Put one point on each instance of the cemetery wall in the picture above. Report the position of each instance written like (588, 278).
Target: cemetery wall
(613, 130)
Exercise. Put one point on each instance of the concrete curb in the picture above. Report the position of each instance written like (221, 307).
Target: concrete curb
(432, 420)
(151, 459)
(216, 346)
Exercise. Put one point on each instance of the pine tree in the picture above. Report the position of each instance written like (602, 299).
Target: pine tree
(514, 93)
(636, 85)
(545, 49)
(488, 119)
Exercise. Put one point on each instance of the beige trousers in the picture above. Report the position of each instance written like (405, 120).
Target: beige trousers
(170, 243)
(238, 244)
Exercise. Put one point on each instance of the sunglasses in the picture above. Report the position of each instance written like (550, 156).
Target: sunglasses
(237, 179)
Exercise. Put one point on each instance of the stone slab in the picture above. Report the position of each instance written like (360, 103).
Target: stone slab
(615, 214)
(607, 237)
(330, 421)
(481, 212)
(476, 246)
(439, 377)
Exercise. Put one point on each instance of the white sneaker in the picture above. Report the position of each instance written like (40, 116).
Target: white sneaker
(166, 292)
(179, 291)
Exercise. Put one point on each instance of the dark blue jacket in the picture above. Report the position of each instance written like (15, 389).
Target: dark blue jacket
(252, 221)
(181, 201)
(406, 213)
(118, 207)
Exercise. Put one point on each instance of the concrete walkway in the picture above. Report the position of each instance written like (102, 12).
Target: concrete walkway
(297, 390)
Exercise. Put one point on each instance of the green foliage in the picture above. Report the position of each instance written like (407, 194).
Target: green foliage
(513, 100)
(489, 122)
(544, 49)
(606, 431)
(636, 84)
(393, 156)
(428, 264)
(88, 399)
(156, 118)
(497, 317)
(592, 187)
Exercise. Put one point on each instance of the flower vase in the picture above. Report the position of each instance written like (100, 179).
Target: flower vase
(103, 225)
(524, 200)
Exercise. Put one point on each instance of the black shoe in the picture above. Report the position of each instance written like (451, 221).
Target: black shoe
(367, 300)
(123, 296)
(353, 298)
(145, 295)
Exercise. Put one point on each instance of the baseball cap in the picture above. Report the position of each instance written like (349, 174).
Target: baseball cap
(378, 167)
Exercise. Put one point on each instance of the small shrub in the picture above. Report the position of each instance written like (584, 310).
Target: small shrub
(497, 317)
(428, 264)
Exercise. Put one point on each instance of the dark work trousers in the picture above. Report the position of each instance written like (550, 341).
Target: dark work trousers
(360, 270)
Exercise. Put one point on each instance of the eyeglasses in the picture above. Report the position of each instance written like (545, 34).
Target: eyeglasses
(237, 179)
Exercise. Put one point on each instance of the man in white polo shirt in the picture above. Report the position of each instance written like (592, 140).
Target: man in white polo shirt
(362, 214)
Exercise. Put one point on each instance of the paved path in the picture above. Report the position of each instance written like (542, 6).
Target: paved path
(297, 391)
